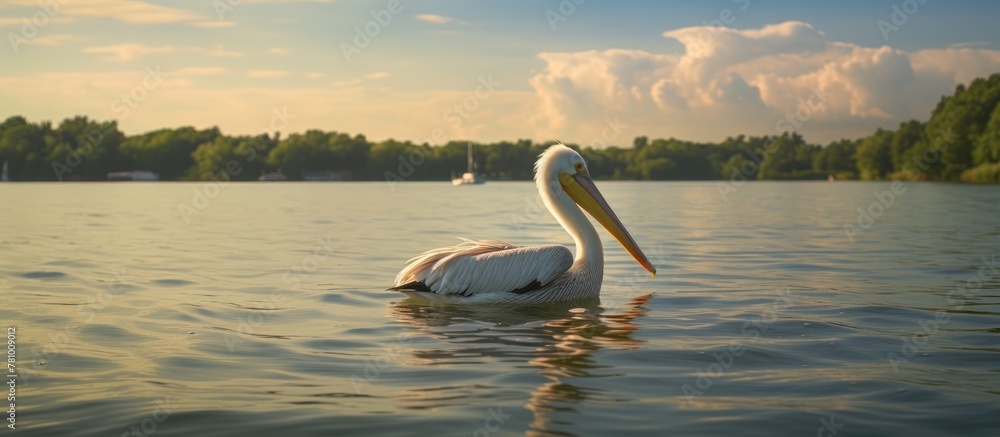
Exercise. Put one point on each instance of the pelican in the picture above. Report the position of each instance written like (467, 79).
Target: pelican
(499, 272)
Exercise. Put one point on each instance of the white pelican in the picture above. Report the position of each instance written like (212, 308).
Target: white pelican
(496, 271)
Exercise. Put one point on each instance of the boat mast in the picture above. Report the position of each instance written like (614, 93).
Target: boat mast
(470, 157)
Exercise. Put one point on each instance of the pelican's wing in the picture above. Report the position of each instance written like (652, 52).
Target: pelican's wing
(477, 267)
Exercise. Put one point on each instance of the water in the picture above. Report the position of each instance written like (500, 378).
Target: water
(261, 310)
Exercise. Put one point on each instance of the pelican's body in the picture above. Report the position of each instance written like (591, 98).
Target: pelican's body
(496, 271)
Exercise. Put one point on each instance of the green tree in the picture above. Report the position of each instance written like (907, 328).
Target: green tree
(874, 155)
(838, 159)
(166, 151)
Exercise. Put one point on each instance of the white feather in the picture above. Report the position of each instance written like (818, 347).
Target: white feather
(481, 267)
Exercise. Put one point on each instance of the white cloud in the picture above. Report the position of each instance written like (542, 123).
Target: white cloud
(345, 83)
(137, 11)
(132, 11)
(241, 109)
(214, 24)
(278, 51)
(131, 51)
(743, 81)
(197, 72)
(127, 52)
(55, 39)
(19, 21)
(436, 19)
(357, 82)
(218, 50)
(267, 74)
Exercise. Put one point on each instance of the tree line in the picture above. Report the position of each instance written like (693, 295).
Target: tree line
(959, 142)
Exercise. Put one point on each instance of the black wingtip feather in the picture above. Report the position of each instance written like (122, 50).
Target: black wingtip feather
(532, 286)
(412, 286)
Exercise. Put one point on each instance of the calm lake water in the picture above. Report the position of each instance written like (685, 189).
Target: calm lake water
(262, 311)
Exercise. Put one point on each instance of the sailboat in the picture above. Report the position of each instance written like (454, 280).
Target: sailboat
(470, 177)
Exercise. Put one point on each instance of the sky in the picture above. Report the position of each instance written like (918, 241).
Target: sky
(590, 72)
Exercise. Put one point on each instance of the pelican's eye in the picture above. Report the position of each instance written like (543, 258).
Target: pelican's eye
(579, 167)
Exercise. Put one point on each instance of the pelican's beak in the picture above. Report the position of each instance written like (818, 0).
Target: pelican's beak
(583, 191)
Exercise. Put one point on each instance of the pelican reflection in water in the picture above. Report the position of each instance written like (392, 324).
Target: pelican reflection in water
(496, 271)
(561, 347)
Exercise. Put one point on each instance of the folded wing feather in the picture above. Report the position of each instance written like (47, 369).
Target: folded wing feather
(475, 267)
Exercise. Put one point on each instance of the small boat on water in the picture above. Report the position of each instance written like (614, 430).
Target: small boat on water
(470, 177)
(272, 177)
(133, 175)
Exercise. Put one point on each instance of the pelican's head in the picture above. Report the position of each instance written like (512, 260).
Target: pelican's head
(561, 172)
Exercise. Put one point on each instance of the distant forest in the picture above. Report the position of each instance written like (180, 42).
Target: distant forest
(960, 142)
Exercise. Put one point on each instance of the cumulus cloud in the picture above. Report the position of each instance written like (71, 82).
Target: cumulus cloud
(729, 81)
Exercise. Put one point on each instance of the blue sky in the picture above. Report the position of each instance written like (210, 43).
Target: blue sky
(602, 74)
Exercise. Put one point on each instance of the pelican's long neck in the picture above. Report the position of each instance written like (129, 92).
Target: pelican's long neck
(589, 250)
